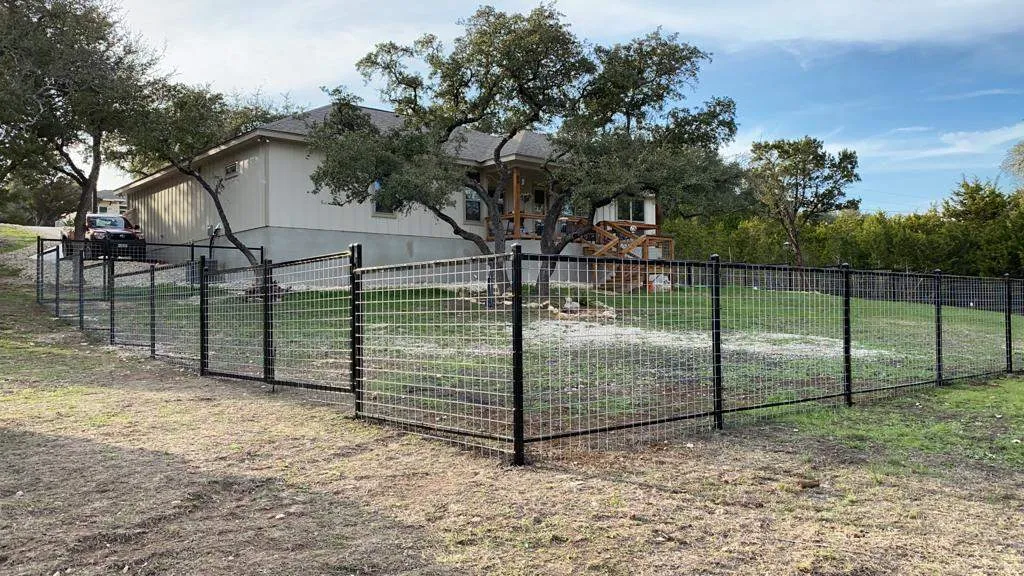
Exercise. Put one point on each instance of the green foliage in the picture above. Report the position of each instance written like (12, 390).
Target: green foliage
(73, 77)
(978, 230)
(604, 109)
(798, 182)
(37, 201)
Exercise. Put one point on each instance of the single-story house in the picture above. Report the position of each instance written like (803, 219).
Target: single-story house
(267, 198)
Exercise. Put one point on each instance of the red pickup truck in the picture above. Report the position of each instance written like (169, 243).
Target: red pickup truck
(110, 234)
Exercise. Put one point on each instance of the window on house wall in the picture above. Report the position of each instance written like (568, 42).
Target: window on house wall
(474, 207)
(631, 209)
(231, 170)
(102, 209)
(381, 207)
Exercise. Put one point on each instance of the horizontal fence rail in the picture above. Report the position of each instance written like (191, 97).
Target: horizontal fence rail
(515, 353)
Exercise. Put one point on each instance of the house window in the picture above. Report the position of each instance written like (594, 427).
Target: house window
(231, 170)
(103, 209)
(122, 209)
(631, 209)
(474, 208)
(381, 207)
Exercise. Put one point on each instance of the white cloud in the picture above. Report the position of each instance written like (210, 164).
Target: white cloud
(921, 150)
(976, 94)
(910, 129)
(298, 46)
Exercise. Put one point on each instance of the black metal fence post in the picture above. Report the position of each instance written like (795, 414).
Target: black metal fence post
(152, 310)
(355, 255)
(1008, 305)
(518, 418)
(716, 337)
(111, 297)
(81, 289)
(938, 326)
(204, 305)
(847, 338)
(268, 323)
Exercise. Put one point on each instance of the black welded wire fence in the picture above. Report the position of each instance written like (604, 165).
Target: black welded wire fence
(516, 350)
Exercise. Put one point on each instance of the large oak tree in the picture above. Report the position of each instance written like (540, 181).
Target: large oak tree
(73, 79)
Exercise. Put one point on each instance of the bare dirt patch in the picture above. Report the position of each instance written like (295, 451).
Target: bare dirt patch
(112, 464)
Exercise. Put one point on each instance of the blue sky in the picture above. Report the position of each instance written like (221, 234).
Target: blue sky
(924, 91)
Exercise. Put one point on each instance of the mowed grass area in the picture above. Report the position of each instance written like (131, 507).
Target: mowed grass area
(114, 464)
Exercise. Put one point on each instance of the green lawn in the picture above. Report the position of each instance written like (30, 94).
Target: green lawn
(983, 422)
(15, 238)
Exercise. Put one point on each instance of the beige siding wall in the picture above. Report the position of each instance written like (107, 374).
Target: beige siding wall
(291, 205)
(177, 209)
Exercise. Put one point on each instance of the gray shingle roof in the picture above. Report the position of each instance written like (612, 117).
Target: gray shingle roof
(474, 146)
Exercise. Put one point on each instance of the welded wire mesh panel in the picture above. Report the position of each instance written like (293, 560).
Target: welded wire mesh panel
(156, 311)
(780, 346)
(96, 298)
(1017, 323)
(46, 278)
(892, 329)
(436, 350)
(617, 352)
(235, 321)
(67, 282)
(312, 307)
(973, 326)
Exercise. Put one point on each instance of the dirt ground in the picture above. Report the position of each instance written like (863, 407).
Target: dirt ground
(114, 464)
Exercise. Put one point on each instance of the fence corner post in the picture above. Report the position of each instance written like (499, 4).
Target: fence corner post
(518, 418)
(1008, 305)
(716, 338)
(847, 338)
(938, 326)
(204, 336)
(355, 260)
(268, 293)
(152, 310)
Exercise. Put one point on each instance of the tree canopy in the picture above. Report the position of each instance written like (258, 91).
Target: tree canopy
(605, 108)
(74, 78)
(798, 181)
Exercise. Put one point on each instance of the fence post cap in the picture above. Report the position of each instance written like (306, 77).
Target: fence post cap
(715, 257)
(517, 248)
(937, 271)
(845, 265)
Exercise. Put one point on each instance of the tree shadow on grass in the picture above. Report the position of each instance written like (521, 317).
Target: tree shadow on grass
(97, 508)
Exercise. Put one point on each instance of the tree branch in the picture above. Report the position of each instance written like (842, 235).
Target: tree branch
(459, 230)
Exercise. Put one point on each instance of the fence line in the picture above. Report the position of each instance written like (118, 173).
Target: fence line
(511, 353)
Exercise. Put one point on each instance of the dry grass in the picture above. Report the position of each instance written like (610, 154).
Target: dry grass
(115, 464)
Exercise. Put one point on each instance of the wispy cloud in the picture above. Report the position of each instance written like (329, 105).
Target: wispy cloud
(976, 94)
(910, 129)
(921, 150)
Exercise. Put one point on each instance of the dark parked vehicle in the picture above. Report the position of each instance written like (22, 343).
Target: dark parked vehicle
(110, 235)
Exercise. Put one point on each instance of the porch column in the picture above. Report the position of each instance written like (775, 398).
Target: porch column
(517, 204)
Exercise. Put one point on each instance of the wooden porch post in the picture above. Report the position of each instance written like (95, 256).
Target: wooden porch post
(517, 203)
